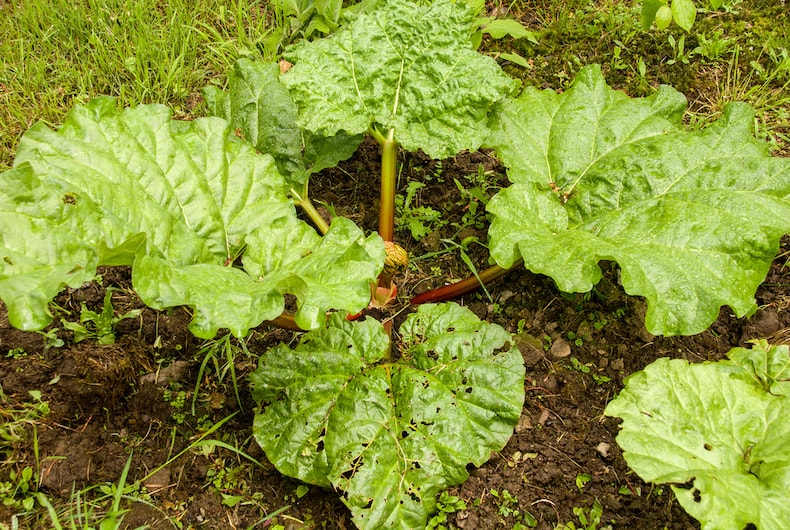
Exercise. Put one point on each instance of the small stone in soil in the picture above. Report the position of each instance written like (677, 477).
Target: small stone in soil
(603, 449)
(560, 349)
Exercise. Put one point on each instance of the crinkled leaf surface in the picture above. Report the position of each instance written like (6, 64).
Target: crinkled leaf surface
(261, 109)
(692, 218)
(768, 365)
(178, 201)
(406, 67)
(390, 435)
(714, 433)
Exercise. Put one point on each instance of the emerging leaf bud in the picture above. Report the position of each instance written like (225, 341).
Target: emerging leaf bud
(397, 258)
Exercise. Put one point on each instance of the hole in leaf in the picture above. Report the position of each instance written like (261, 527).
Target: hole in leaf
(750, 526)
(708, 447)
(696, 495)
(320, 445)
(404, 434)
(686, 485)
(468, 390)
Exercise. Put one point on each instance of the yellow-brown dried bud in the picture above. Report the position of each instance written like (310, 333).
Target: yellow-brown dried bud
(397, 258)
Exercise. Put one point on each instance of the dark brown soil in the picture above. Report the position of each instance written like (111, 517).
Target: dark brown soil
(106, 407)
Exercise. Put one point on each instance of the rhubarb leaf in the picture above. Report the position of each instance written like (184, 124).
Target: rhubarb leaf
(404, 67)
(179, 202)
(389, 435)
(260, 108)
(692, 218)
(714, 433)
(768, 365)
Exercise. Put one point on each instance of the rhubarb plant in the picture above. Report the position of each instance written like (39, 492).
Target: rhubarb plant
(406, 74)
(182, 203)
(390, 435)
(693, 218)
(716, 432)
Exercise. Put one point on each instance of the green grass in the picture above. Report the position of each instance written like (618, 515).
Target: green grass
(738, 54)
(60, 52)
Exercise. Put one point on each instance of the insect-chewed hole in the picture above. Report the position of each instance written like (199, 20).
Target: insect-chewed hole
(686, 485)
(696, 495)
(708, 447)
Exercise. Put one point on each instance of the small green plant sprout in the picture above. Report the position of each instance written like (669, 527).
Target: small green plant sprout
(99, 326)
(445, 505)
(508, 504)
(16, 353)
(581, 480)
(52, 340)
(716, 432)
(19, 489)
(475, 198)
(176, 398)
(508, 507)
(679, 53)
(589, 519)
(419, 220)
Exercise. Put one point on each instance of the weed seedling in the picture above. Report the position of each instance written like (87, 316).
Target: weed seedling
(419, 220)
(99, 326)
(589, 519)
(445, 505)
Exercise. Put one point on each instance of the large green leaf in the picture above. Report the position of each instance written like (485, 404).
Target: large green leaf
(179, 202)
(261, 109)
(692, 218)
(390, 436)
(715, 434)
(403, 67)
